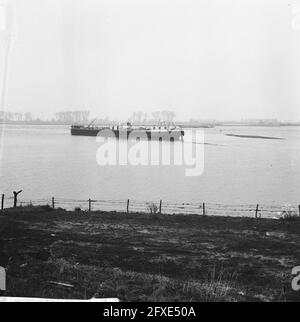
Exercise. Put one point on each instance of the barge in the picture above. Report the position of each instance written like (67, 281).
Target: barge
(128, 131)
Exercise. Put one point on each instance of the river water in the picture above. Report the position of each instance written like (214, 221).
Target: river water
(46, 161)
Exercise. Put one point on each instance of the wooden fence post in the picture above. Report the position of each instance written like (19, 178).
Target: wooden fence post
(90, 204)
(160, 203)
(256, 211)
(127, 209)
(16, 197)
(203, 208)
(2, 202)
(53, 203)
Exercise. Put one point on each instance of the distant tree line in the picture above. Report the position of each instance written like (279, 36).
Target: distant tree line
(154, 117)
(83, 117)
(68, 117)
(72, 117)
(16, 116)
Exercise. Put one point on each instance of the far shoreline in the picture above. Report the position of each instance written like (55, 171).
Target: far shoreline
(182, 124)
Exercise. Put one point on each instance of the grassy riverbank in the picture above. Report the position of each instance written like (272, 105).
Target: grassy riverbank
(147, 258)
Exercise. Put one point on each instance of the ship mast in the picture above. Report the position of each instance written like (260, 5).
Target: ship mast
(91, 123)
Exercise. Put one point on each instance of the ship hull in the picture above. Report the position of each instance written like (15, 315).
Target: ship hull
(84, 132)
(172, 135)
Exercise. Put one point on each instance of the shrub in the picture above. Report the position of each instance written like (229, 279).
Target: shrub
(47, 208)
(289, 214)
(152, 207)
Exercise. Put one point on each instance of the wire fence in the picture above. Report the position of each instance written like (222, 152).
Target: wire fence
(161, 206)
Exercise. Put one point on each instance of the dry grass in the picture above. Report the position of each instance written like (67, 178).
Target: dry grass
(136, 258)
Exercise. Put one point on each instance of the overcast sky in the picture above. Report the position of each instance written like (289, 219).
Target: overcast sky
(201, 59)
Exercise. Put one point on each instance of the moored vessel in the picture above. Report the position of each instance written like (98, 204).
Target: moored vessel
(161, 132)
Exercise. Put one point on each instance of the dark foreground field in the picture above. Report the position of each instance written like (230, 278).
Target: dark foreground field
(139, 257)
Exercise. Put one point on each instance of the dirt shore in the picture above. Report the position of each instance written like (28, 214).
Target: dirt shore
(140, 257)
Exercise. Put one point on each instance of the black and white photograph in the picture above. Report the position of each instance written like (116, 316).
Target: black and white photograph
(149, 153)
